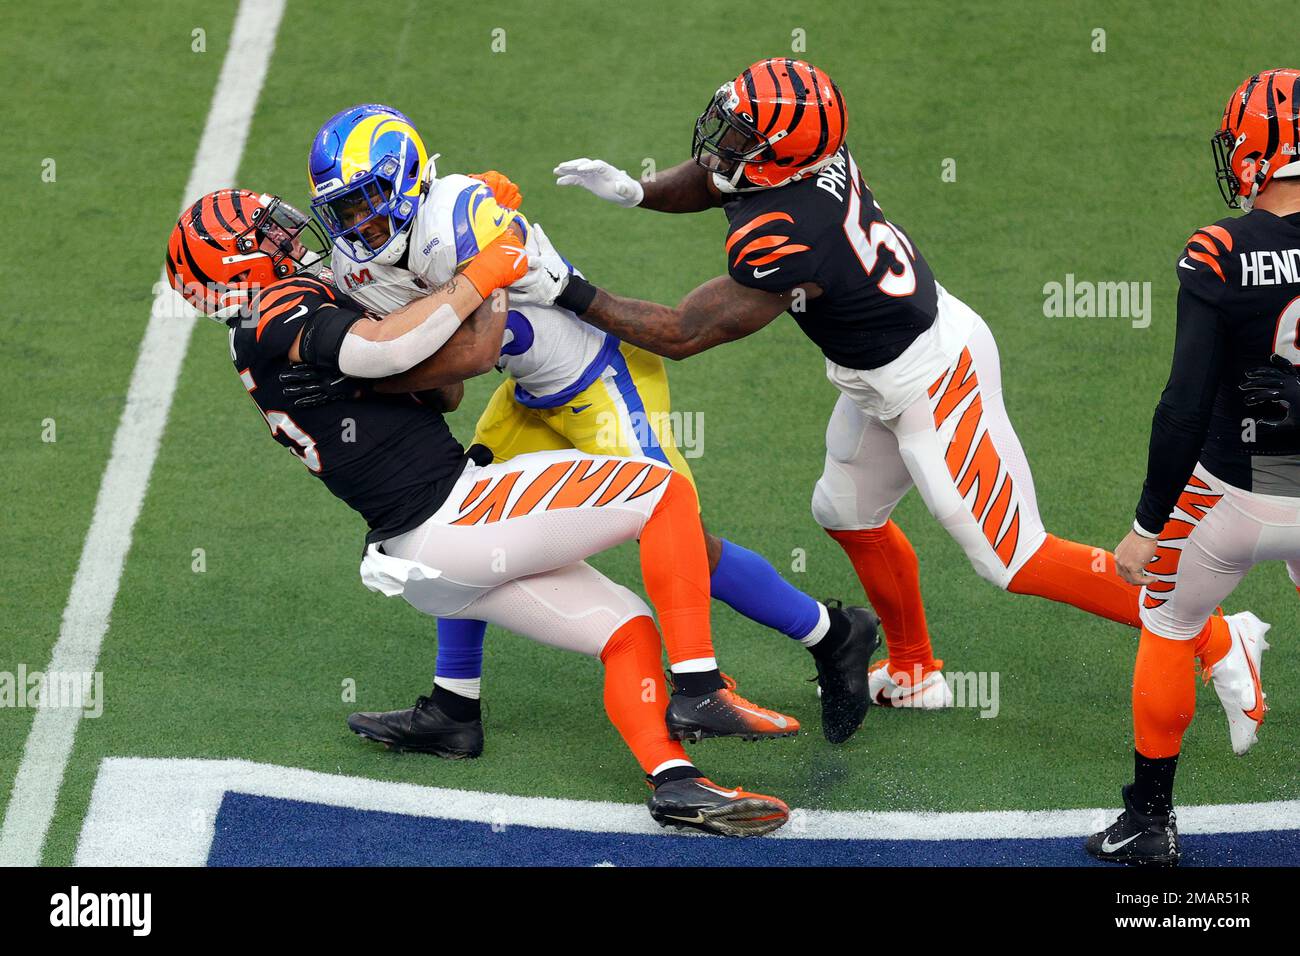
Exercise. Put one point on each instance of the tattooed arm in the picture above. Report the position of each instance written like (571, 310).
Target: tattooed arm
(721, 310)
(687, 187)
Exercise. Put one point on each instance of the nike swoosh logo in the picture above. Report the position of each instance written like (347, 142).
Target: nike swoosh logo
(1257, 712)
(579, 409)
(1182, 264)
(698, 818)
(1108, 847)
(298, 313)
(778, 722)
(729, 794)
(759, 273)
(499, 220)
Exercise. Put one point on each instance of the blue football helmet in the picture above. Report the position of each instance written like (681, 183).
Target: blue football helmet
(366, 169)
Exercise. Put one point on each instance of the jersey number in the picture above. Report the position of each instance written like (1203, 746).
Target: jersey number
(1287, 341)
(281, 422)
(868, 243)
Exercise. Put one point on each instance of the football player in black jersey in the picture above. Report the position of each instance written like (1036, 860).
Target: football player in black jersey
(918, 371)
(456, 535)
(1222, 491)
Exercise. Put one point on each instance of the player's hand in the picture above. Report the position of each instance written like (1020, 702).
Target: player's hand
(312, 385)
(1133, 556)
(599, 177)
(548, 273)
(500, 263)
(504, 191)
(1276, 384)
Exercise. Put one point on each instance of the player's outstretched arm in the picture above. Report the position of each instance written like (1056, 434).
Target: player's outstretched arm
(473, 350)
(686, 187)
(721, 310)
(379, 348)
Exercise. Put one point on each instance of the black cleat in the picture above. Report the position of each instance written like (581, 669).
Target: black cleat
(1137, 838)
(700, 804)
(724, 713)
(424, 728)
(842, 676)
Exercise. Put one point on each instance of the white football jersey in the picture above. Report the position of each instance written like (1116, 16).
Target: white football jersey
(546, 350)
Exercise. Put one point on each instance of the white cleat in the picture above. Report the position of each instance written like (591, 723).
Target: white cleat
(1236, 680)
(887, 690)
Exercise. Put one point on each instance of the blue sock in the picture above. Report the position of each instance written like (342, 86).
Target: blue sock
(748, 584)
(460, 648)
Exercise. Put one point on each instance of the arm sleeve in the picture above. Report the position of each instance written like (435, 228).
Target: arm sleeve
(322, 339)
(1182, 418)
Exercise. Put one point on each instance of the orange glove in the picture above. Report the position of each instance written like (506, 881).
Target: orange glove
(500, 263)
(506, 193)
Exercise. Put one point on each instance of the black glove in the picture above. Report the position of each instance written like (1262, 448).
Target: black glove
(312, 385)
(1275, 384)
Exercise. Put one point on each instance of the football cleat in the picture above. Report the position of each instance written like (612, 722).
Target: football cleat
(1236, 680)
(889, 689)
(1137, 838)
(724, 713)
(700, 804)
(424, 728)
(842, 678)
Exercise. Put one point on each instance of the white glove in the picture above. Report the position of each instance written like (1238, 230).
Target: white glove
(548, 273)
(599, 177)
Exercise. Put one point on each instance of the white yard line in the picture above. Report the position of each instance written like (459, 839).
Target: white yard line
(135, 446)
(162, 812)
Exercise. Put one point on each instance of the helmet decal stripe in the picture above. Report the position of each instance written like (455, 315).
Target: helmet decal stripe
(226, 221)
(192, 266)
(1270, 106)
(799, 95)
(200, 227)
(824, 133)
(1245, 98)
(779, 106)
(750, 88)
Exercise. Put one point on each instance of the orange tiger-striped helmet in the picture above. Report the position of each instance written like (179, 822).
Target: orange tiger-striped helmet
(233, 242)
(775, 123)
(1259, 138)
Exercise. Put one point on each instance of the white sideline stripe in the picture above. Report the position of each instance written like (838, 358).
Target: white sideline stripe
(135, 446)
(162, 812)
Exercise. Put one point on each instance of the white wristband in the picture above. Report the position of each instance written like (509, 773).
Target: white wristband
(1143, 531)
(362, 358)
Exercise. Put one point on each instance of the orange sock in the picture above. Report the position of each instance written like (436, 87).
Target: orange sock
(1164, 694)
(1213, 642)
(890, 574)
(1081, 576)
(675, 569)
(635, 695)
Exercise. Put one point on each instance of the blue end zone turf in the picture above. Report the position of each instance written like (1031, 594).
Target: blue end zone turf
(265, 831)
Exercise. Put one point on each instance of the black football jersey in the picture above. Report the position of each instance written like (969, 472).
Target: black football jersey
(389, 457)
(1238, 303)
(878, 293)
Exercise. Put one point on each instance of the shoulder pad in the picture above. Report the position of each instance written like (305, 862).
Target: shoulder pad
(458, 217)
(1206, 260)
(768, 251)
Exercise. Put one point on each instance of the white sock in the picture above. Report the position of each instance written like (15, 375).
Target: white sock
(696, 665)
(463, 686)
(819, 630)
(669, 764)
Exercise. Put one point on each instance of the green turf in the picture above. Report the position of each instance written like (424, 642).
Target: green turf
(1068, 161)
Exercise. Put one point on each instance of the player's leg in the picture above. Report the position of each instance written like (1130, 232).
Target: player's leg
(508, 429)
(539, 512)
(1206, 549)
(629, 412)
(862, 480)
